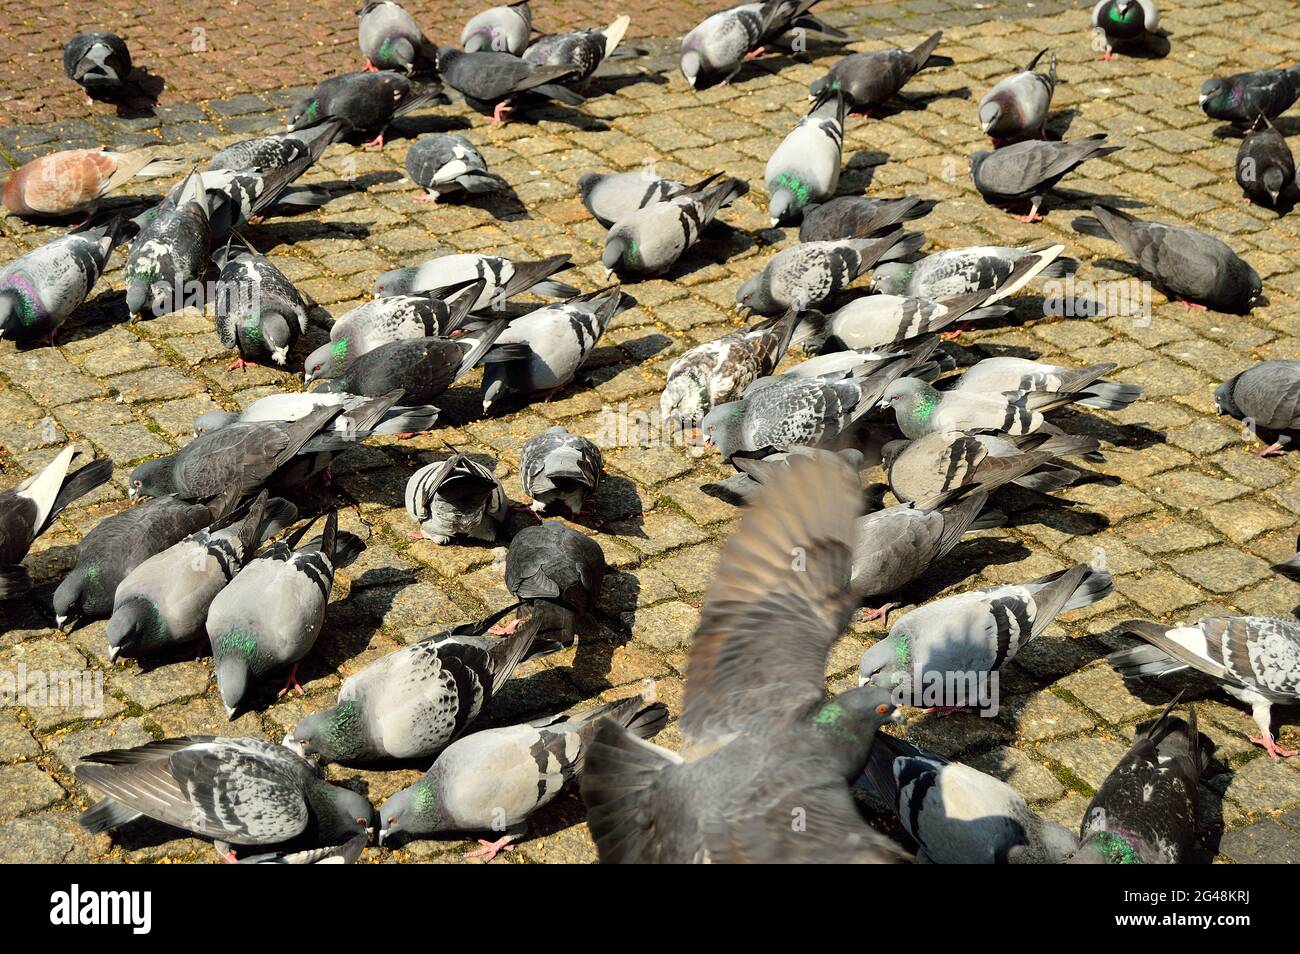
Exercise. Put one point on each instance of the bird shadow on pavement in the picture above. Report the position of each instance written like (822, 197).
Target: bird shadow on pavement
(559, 113)
(413, 127)
(1060, 121)
(916, 102)
(964, 562)
(857, 174)
(270, 235)
(138, 98)
(1079, 201)
(503, 205)
(611, 84)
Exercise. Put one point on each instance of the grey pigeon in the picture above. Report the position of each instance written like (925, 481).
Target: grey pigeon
(1265, 395)
(994, 375)
(493, 780)
(1026, 171)
(259, 312)
(390, 39)
(493, 82)
(448, 164)
(503, 278)
(960, 271)
(560, 470)
(753, 472)
(651, 239)
(39, 290)
(805, 168)
(1147, 811)
(412, 702)
(117, 545)
(1191, 265)
(613, 196)
(856, 216)
(973, 634)
(268, 617)
(714, 51)
(1254, 659)
(542, 351)
(556, 572)
(365, 102)
(870, 79)
(808, 274)
(1016, 107)
(504, 29)
(1243, 97)
(28, 509)
(1125, 23)
(583, 49)
(764, 744)
(1265, 166)
(344, 854)
(241, 791)
(100, 63)
(456, 497)
(283, 150)
(283, 408)
(163, 603)
(920, 409)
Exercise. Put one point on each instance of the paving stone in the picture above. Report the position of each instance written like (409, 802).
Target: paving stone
(25, 788)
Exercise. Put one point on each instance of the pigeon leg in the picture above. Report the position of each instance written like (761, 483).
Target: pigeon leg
(501, 115)
(416, 535)
(1272, 450)
(370, 68)
(1192, 304)
(505, 629)
(430, 197)
(490, 848)
(881, 614)
(406, 436)
(239, 364)
(226, 852)
(956, 332)
(1274, 750)
(752, 54)
(377, 141)
(290, 683)
(1033, 215)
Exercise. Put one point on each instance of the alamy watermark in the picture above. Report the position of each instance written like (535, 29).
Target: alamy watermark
(79, 689)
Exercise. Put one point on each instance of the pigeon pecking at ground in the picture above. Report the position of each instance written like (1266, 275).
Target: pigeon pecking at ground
(556, 572)
(805, 168)
(1125, 24)
(1243, 97)
(504, 29)
(456, 497)
(493, 83)
(449, 164)
(259, 312)
(1016, 107)
(365, 102)
(714, 51)
(856, 216)
(584, 50)
(871, 79)
(390, 39)
(1265, 395)
(284, 408)
(1265, 166)
(652, 238)
(560, 470)
(919, 409)
(613, 196)
(1026, 171)
(100, 63)
(960, 271)
(74, 180)
(502, 278)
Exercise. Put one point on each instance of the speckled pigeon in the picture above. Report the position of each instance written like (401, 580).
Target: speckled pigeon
(1017, 107)
(995, 375)
(286, 407)
(1026, 171)
(1265, 395)
(503, 278)
(856, 216)
(365, 102)
(74, 180)
(805, 168)
(560, 470)
(456, 497)
(960, 271)
(492, 82)
(390, 39)
(871, 79)
(259, 312)
(583, 49)
(557, 572)
(612, 196)
(279, 151)
(39, 290)
(651, 239)
(920, 409)
(714, 51)
(504, 29)
(1265, 166)
(1125, 23)
(448, 164)
(100, 63)
(1243, 97)
(753, 472)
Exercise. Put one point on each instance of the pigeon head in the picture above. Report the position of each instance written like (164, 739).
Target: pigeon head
(137, 295)
(1274, 182)
(213, 421)
(340, 813)
(335, 735)
(621, 252)
(721, 427)
(914, 403)
(755, 294)
(816, 86)
(586, 182)
(884, 665)
(1105, 848)
(892, 451)
(327, 361)
(80, 594)
(891, 278)
(307, 112)
(130, 628)
(990, 113)
(1223, 401)
(412, 811)
(692, 63)
(1213, 91)
(232, 652)
(153, 478)
(399, 281)
(783, 204)
(849, 722)
(273, 331)
(685, 400)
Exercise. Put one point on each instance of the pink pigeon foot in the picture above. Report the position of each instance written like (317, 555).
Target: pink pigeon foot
(1272, 450)
(378, 141)
(370, 68)
(1274, 750)
(416, 535)
(505, 628)
(290, 683)
(501, 115)
(881, 614)
(1192, 304)
(755, 53)
(1030, 218)
(408, 435)
(230, 857)
(239, 364)
(490, 848)
(425, 197)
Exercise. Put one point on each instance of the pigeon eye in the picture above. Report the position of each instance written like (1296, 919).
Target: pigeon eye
(361, 821)
(882, 708)
(392, 821)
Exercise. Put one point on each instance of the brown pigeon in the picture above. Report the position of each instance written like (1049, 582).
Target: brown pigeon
(76, 179)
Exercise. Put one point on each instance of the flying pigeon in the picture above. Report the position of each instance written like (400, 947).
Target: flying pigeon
(805, 168)
(1016, 107)
(651, 239)
(99, 63)
(1194, 267)
(994, 375)
(1265, 167)
(259, 312)
(960, 271)
(456, 497)
(365, 102)
(613, 196)
(560, 470)
(556, 572)
(28, 509)
(871, 79)
(742, 487)
(1026, 171)
(583, 49)
(764, 744)
(74, 180)
(920, 409)
(1254, 659)
(286, 407)
(503, 278)
(1243, 97)
(1125, 23)
(714, 51)
(855, 216)
(491, 81)
(495, 779)
(241, 791)
(1265, 395)
(390, 39)
(448, 164)
(504, 29)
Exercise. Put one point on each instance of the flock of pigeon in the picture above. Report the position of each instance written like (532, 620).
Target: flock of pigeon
(216, 556)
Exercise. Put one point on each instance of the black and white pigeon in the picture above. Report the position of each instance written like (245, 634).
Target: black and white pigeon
(495, 779)
(1265, 395)
(995, 375)
(560, 470)
(268, 617)
(556, 572)
(973, 633)
(445, 164)
(492, 83)
(1023, 173)
(542, 351)
(259, 312)
(856, 216)
(28, 509)
(117, 545)
(163, 603)
(742, 487)
(584, 50)
(1190, 265)
(456, 497)
(612, 196)
(281, 150)
(1265, 166)
(502, 278)
(763, 743)
(1254, 659)
(1243, 97)
(870, 79)
(1147, 811)
(805, 168)
(286, 407)
(100, 63)
(805, 275)
(365, 102)
(960, 271)
(652, 238)
(413, 702)
(390, 39)
(39, 290)
(238, 791)
(720, 370)
(920, 409)
(1125, 23)
(1017, 106)
(714, 51)
(504, 29)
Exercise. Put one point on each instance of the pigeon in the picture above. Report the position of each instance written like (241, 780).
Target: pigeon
(1254, 659)
(556, 572)
(1265, 395)
(855, 216)
(1026, 171)
(920, 409)
(259, 312)
(269, 615)
(960, 271)
(116, 546)
(40, 290)
(1243, 97)
(805, 168)
(753, 472)
(503, 278)
(491, 81)
(390, 39)
(1016, 107)
(100, 63)
(651, 239)
(805, 275)
(1125, 23)
(365, 102)
(241, 791)
(613, 196)
(456, 497)
(74, 180)
(284, 408)
(448, 164)
(1291, 565)
(719, 371)
(973, 634)
(560, 470)
(503, 29)
(413, 702)
(495, 779)
(542, 351)
(1265, 167)
(170, 251)
(764, 744)
(278, 150)
(871, 79)
(1194, 267)
(344, 854)
(28, 509)
(994, 375)
(163, 602)
(1147, 811)
(714, 51)
(583, 49)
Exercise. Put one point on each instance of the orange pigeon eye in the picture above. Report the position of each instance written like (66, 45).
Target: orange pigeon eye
(882, 708)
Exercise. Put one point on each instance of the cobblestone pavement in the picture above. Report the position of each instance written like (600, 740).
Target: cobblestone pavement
(1186, 519)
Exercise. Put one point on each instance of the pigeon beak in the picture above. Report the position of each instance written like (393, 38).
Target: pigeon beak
(691, 80)
(230, 713)
(382, 833)
(608, 273)
(775, 222)
(864, 681)
(986, 126)
(113, 653)
(1201, 99)
(1273, 196)
(61, 621)
(897, 717)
